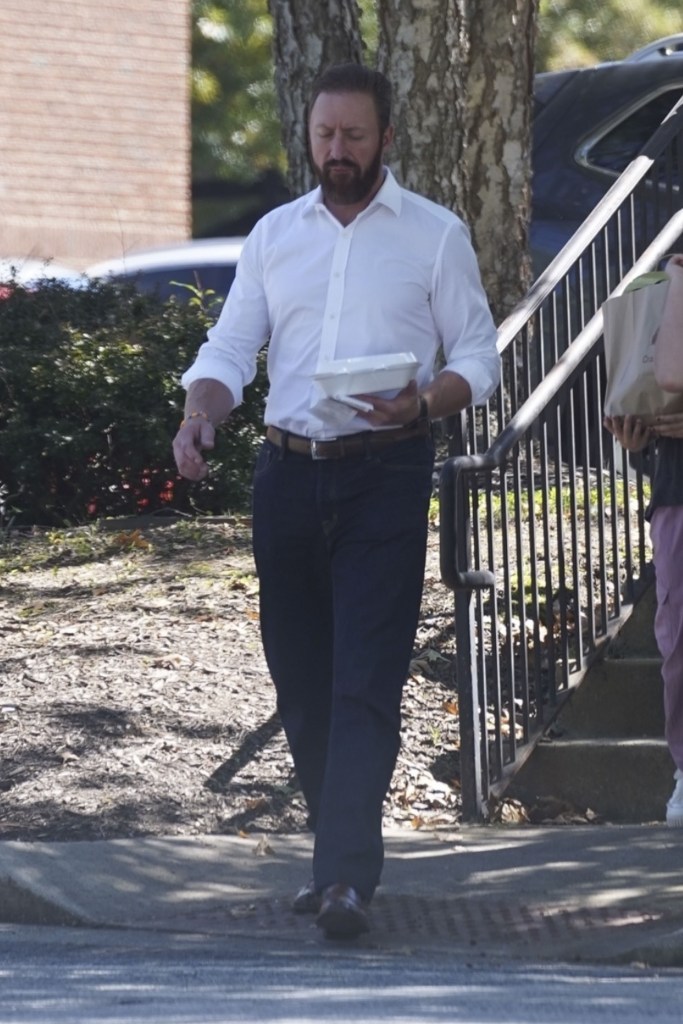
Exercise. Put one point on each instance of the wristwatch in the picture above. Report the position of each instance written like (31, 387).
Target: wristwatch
(423, 414)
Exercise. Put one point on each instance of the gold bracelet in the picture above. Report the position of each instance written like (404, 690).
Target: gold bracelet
(194, 416)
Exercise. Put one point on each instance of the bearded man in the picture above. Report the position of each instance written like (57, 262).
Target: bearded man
(358, 267)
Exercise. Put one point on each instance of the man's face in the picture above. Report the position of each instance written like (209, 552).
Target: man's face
(346, 146)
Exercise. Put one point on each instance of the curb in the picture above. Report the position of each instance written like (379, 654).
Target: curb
(20, 905)
(474, 929)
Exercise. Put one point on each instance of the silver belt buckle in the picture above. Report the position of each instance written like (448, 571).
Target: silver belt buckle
(316, 450)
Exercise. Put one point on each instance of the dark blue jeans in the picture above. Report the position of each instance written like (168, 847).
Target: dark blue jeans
(340, 552)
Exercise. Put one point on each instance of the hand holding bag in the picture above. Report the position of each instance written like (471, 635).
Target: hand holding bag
(631, 325)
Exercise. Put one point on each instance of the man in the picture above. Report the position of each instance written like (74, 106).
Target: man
(357, 267)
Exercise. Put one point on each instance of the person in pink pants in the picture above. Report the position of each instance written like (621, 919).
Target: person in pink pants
(665, 514)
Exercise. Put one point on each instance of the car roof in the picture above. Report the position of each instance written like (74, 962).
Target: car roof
(667, 46)
(588, 100)
(197, 253)
(26, 270)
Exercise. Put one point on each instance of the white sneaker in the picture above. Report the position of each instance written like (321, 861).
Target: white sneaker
(674, 808)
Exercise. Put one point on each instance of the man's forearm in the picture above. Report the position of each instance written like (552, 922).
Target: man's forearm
(209, 399)
(447, 394)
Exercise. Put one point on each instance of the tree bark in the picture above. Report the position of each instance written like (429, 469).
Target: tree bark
(498, 156)
(308, 36)
(423, 50)
(462, 72)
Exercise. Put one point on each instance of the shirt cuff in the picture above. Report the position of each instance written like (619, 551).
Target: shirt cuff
(482, 377)
(207, 367)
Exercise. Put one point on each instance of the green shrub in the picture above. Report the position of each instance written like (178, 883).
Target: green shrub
(90, 400)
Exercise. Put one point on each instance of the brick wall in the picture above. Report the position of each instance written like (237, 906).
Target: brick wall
(94, 127)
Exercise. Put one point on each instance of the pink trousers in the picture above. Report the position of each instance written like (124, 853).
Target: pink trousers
(666, 531)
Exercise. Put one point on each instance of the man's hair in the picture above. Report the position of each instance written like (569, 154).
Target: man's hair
(353, 77)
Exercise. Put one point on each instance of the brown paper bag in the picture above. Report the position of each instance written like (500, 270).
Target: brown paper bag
(631, 323)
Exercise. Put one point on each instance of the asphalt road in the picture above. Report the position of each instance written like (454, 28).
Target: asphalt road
(104, 976)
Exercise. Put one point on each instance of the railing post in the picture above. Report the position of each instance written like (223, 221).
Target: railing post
(455, 549)
(469, 712)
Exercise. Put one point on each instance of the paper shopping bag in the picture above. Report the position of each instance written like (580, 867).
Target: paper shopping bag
(631, 322)
(669, 347)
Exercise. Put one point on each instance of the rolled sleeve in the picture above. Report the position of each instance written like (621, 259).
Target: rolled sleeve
(482, 375)
(213, 364)
(463, 318)
(230, 352)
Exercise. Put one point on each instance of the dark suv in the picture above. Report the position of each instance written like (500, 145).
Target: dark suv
(588, 126)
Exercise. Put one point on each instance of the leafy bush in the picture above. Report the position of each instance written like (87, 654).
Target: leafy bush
(90, 400)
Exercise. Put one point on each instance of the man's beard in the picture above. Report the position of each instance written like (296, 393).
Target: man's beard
(354, 188)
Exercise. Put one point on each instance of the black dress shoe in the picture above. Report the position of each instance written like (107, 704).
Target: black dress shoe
(307, 900)
(342, 913)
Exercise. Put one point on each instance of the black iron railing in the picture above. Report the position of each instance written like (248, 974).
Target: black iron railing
(542, 533)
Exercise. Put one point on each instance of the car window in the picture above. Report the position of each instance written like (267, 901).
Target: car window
(615, 150)
(174, 281)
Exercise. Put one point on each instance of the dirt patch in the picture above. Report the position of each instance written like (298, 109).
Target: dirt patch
(135, 700)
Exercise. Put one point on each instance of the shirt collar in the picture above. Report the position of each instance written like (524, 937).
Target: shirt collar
(389, 195)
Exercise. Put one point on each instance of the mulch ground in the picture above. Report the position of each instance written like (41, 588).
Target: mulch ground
(135, 700)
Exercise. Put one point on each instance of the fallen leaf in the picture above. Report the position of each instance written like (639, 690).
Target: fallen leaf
(256, 803)
(168, 661)
(68, 756)
(510, 812)
(129, 539)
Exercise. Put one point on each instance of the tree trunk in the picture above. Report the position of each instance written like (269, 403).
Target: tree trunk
(462, 73)
(308, 36)
(423, 52)
(498, 157)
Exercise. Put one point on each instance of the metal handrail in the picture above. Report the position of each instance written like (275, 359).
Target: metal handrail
(453, 574)
(622, 188)
(538, 441)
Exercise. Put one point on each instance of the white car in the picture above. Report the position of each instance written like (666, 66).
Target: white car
(28, 271)
(204, 264)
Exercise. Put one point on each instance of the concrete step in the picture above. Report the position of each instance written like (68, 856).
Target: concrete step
(620, 697)
(621, 780)
(605, 751)
(636, 639)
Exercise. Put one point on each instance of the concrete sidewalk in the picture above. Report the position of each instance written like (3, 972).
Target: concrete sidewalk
(589, 893)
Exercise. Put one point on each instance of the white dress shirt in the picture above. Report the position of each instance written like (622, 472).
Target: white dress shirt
(401, 277)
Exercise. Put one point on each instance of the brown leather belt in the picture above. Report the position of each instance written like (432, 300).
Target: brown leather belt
(347, 446)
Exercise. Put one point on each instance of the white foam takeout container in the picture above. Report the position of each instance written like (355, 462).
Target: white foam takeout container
(366, 374)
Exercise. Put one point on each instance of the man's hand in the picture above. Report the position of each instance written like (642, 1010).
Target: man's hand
(208, 403)
(194, 436)
(630, 431)
(393, 412)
